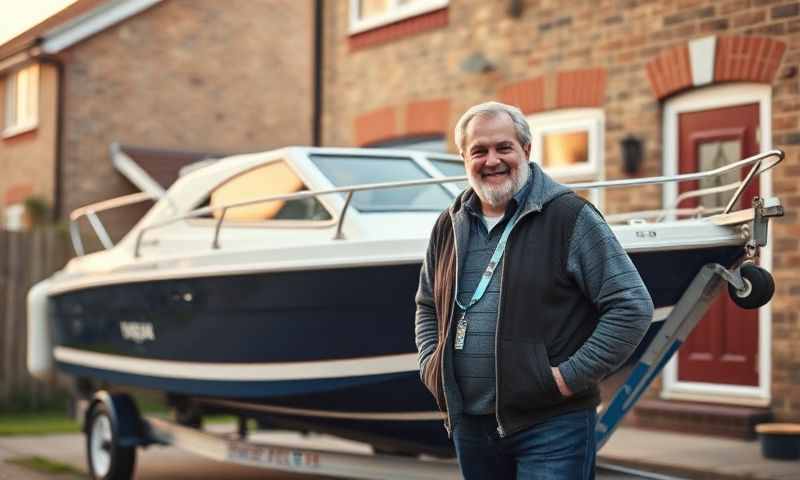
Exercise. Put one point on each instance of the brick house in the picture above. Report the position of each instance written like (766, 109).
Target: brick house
(169, 78)
(692, 81)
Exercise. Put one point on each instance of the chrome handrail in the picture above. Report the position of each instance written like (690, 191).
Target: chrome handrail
(755, 160)
(292, 196)
(687, 177)
(91, 211)
(660, 214)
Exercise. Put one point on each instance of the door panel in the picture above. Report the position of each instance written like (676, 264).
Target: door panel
(723, 349)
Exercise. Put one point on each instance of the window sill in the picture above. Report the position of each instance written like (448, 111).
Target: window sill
(18, 130)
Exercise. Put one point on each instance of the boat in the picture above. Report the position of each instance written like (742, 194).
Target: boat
(279, 286)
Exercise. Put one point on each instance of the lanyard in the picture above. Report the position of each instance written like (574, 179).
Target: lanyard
(461, 325)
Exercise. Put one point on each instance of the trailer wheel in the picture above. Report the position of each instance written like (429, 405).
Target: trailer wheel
(107, 459)
(759, 287)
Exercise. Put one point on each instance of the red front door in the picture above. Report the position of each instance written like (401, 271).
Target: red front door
(723, 349)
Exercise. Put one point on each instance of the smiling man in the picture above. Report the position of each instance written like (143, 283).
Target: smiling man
(526, 301)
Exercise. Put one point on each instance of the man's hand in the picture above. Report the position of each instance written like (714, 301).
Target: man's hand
(562, 385)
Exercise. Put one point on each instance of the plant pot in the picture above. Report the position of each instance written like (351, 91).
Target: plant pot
(780, 441)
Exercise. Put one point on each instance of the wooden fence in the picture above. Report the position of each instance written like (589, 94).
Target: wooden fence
(25, 258)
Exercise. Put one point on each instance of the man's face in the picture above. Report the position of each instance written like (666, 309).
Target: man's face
(496, 163)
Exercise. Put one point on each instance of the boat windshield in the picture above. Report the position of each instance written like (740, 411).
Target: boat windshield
(450, 168)
(346, 170)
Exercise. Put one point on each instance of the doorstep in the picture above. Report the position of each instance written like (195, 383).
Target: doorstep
(729, 421)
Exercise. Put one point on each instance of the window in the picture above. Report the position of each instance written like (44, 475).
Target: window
(367, 14)
(568, 145)
(275, 178)
(344, 170)
(716, 154)
(21, 100)
(451, 168)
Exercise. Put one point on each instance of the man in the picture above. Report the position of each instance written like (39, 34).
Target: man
(526, 300)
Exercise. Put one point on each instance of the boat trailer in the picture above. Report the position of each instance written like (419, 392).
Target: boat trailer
(115, 428)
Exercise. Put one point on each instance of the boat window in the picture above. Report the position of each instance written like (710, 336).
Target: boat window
(451, 168)
(275, 178)
(346, 170)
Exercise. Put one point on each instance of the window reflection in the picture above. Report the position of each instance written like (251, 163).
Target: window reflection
(275, 178)
(344, 171)
(451, 168)
(371, 8)
(563, 149)
(380, 8)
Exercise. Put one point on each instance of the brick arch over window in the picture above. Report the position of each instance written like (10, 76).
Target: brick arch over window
(567, 89)
(415, 119)
(714, 60)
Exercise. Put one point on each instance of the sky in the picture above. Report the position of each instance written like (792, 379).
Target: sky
(16, 16)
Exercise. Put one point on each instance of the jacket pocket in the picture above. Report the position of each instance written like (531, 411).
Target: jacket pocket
(432, 376)
(528, 378)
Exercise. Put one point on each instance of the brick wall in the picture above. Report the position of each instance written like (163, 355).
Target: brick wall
(535, 58)
(204, 75)
(27, 160)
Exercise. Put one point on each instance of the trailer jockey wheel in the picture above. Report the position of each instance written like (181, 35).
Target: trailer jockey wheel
(759, 287)
(107, 459)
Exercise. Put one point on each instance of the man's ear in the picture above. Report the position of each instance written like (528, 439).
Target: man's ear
(527, 150)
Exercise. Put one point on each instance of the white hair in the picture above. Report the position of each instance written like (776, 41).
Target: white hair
(491, 109)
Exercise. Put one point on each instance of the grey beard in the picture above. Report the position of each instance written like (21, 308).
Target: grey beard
(499, 195)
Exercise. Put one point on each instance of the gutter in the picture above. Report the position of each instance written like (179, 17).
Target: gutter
(316, 125)
(58, 187)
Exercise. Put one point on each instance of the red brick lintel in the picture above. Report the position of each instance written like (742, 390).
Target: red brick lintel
(566, 89)
(737, 59)
(416, 119)
(399, 29)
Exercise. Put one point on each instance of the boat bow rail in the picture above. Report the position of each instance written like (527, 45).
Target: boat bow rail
(758, 162)
(91, 211)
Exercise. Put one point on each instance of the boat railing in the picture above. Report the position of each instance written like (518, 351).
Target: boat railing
(659, 215)
(91, 211)
(758, 162)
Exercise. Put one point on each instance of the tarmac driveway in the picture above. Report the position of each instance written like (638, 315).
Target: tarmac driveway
(153, 463)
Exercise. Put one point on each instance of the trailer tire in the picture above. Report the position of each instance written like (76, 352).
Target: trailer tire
(760, 287)
(107, 459)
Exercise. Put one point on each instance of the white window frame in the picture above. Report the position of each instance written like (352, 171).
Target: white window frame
(591, 120)
(708, 98)
(396, 12)
(18, 120)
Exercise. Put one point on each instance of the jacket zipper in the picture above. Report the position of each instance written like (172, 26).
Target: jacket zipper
(501, 432)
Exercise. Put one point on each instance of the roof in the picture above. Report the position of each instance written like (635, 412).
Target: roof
(73, 24)
(29, 37)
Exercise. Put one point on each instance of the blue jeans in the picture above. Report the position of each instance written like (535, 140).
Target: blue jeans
(559, 448)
